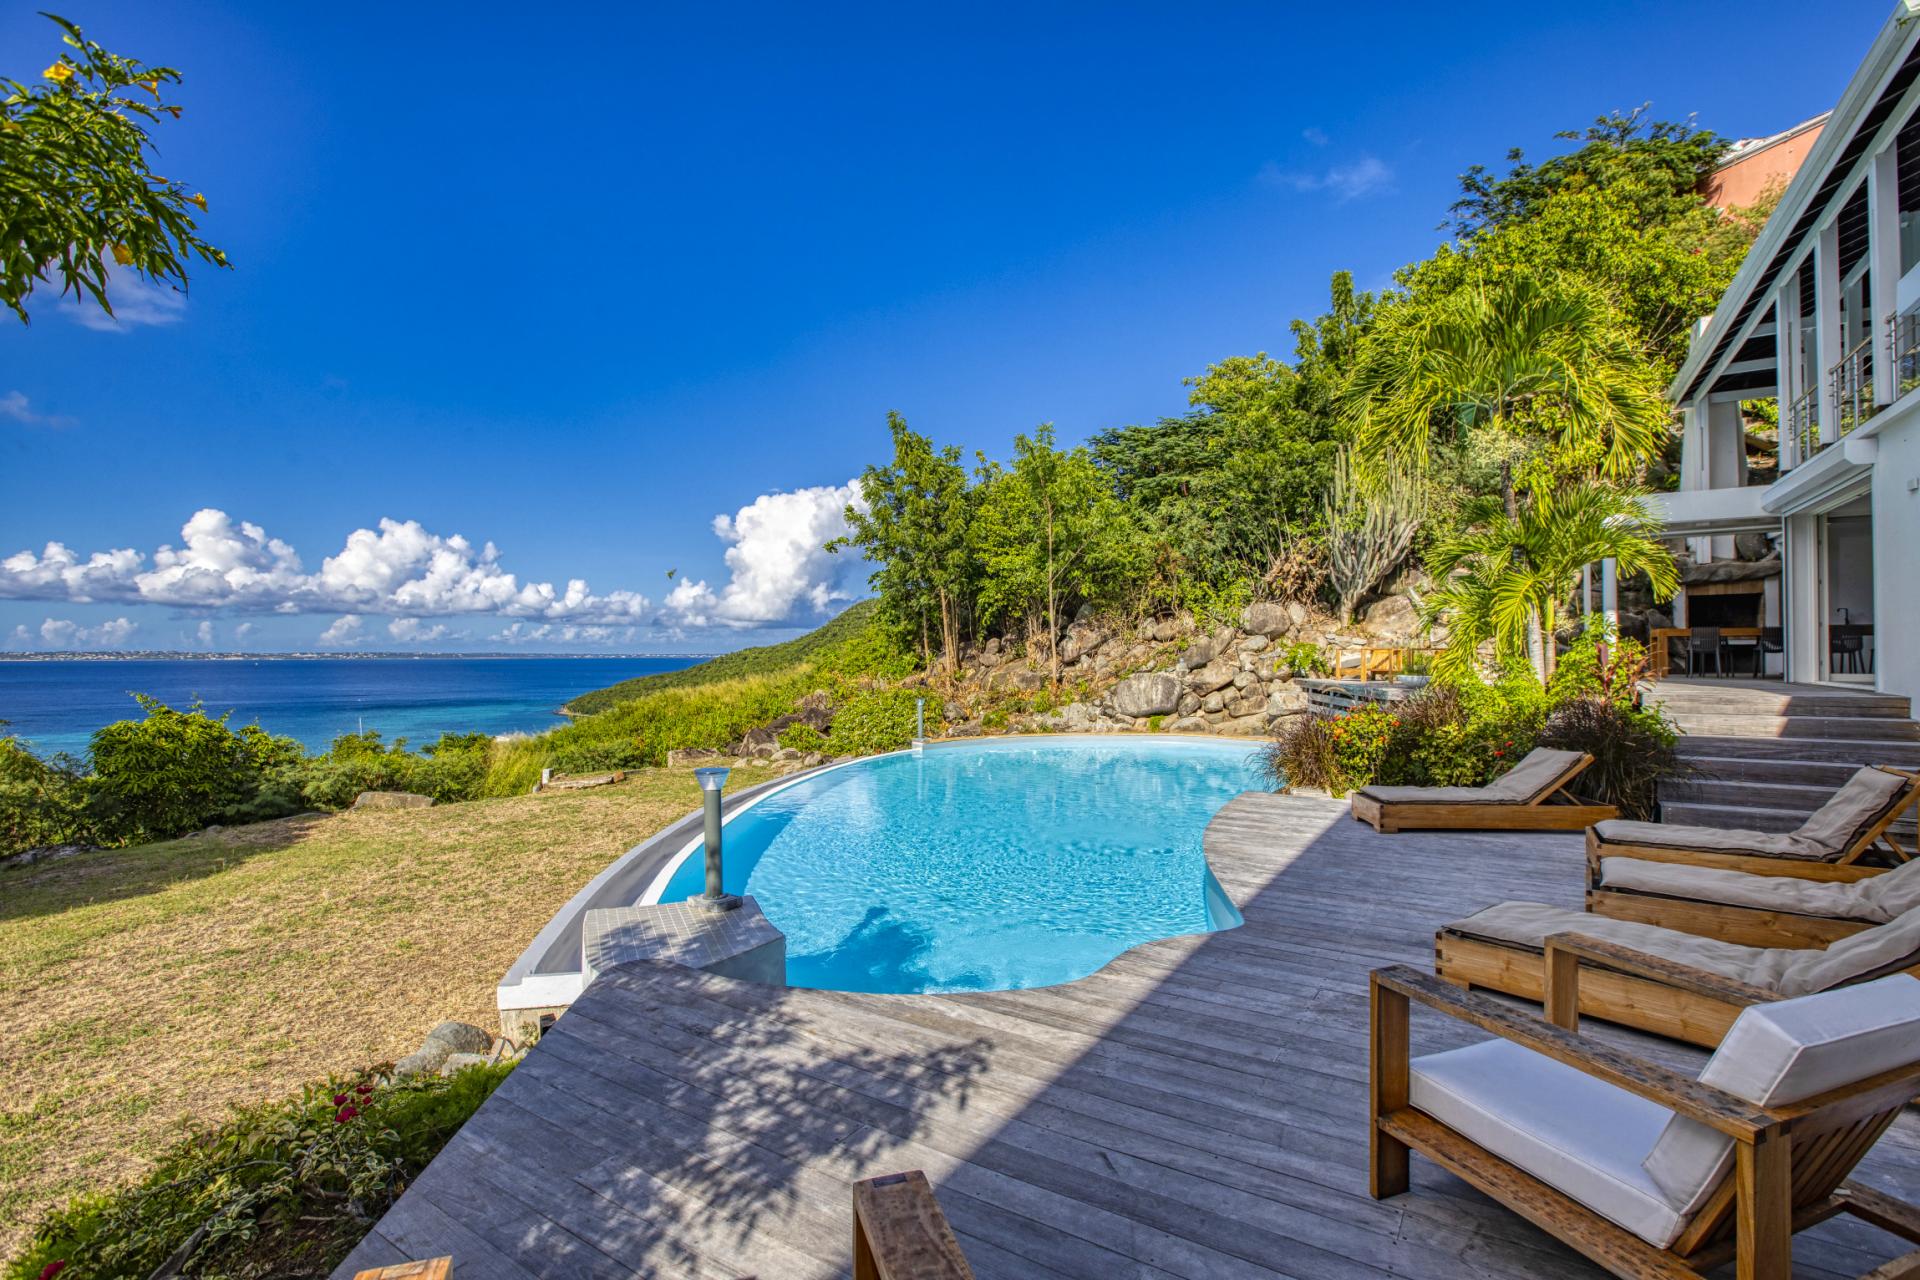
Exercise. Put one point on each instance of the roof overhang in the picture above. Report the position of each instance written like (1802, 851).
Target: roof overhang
(1888, 51)
(1693, 512)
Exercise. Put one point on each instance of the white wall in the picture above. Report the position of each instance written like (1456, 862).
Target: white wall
(1896, 559)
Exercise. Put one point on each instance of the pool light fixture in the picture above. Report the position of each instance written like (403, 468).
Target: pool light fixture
(712, 782)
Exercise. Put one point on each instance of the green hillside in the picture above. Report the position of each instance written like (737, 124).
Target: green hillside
(850, 628)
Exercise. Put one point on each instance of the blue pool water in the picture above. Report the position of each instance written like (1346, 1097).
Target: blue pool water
(984, 866)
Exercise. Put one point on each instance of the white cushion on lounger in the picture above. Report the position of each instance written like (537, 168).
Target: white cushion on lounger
(1571, 1131)
(1777, 1054)
(1789, 971)
(1534, 777)
(1829, 832)
(1878, 898)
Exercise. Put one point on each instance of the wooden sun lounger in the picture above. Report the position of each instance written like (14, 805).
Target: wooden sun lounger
(1625, 986)
(1877, 841)
(1789, 1170)
(1552, 810)
(1748, 926)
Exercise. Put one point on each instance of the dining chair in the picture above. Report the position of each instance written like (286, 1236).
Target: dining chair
(1703, 643)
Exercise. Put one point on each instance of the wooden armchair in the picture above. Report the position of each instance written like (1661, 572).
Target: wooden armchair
(1644, 1170)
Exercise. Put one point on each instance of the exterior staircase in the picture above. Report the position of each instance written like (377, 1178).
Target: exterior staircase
(1766, 755)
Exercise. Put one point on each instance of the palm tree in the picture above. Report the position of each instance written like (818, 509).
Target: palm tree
(1544, 357)
(1505, 579)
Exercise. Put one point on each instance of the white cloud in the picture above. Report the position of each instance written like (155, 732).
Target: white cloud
(343, 631)
(16, 406)
(1318, 137)
(1363, 176)
(778, 571)
(64, 633)
(778, 560)
(242, 631)
(204, 634)
(413, 631)
(136, 303)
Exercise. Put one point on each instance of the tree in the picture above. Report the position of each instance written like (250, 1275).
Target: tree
(1665, 161)
(915, 527)
(1369, 533)
(1505, 579)
(1544, 359)
(1050, 535)
(75, 185)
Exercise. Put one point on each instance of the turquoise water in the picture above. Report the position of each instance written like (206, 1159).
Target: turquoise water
(984, 866)
(56, 706)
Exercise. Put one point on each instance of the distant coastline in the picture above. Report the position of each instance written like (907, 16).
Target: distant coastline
(174, 655)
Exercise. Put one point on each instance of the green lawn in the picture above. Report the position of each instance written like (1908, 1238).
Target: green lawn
(144, 988)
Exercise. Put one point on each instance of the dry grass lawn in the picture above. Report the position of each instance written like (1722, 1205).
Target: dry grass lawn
(146, 988)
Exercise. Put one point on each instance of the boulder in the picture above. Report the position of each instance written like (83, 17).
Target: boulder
(691, 755)
(1244, 678)
(1215, 701)
(1029, 681)
(461, 1037)
(1167, 630)
(1214, 675)
(391, 800)
(1253, 724)
(1298, 616)
(1393, 616)
(1153, 694)
(1251, 703)
(1199, 653)
(1752, 546)
(967, 729)
(1253, 644)
(1081, 641)
(1286, 700)
(753, 739)
(1189, 724)
(458, 1062)
(789, 754)
(1189, 703)
(1267, 618)
(818, 700)
(1078, 717)
(428, 1058)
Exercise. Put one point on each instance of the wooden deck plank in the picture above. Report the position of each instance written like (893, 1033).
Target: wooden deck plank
(1194, 1108)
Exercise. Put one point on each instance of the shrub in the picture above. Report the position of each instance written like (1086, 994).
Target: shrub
(1334, 753)
(41, 801)
(1632, 749)
(282, 1188)
(876, 720)
(176, 771)
(803, 737)
(1306, 659)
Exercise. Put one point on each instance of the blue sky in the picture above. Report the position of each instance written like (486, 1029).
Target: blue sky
(577, 283)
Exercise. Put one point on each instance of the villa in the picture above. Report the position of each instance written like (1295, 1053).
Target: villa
(1812, 533)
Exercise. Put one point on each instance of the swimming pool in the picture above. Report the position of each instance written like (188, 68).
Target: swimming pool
(983, 866)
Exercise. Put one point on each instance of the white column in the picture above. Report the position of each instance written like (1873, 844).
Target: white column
(1800, 604)
(1586, 589)
(1610, 594)
(1786, 328)
(1883, 264)
(1726, 459)
(1826, 330)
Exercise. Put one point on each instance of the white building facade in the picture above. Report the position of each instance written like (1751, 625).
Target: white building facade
(1825, 316)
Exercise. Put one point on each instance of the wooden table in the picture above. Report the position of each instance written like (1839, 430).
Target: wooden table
(1378, 661)
(1659, 637)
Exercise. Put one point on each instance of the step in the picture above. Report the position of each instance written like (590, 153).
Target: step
(1901, 754)
(1795, 726)
(1737, 701)
(1823, 775)
(1718, 790)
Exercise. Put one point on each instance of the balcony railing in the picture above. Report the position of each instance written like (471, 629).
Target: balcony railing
(1852, 391)
(1904, 340)
(1800, 424)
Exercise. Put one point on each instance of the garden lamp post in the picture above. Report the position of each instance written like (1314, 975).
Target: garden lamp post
(716, 898)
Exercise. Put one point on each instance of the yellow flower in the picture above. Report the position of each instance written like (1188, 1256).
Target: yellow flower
(58, 72)
(197, 198)
(123, 255)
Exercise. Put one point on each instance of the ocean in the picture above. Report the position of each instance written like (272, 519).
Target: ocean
(56, 705)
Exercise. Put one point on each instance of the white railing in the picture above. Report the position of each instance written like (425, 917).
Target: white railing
(1852, 391)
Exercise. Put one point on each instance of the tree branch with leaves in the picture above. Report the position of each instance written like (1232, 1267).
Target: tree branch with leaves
(76, 187)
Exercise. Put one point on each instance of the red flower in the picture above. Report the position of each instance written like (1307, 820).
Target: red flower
(53, 1269)
(1498, 752)
(363, 1089)
(339, 1099)
(345, 1114)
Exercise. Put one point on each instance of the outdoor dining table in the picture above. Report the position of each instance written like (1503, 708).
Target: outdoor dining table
(1662, 653)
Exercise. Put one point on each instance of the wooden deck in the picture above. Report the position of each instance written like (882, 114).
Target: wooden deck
(1194, 1109)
